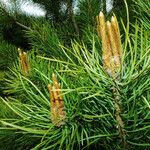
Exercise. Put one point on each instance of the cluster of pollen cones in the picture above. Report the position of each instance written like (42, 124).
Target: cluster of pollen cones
(58, 114)
(112, 53)
(111, 43)
(111, 48)
(24, 62)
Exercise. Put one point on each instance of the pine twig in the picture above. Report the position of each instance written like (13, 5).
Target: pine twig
(111, 48)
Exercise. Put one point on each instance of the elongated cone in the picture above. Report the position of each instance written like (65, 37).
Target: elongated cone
(116, 36)
(58, 114)
(52, 104)
(115, 27)
(111, 44)
(24, 63)
(106, 48)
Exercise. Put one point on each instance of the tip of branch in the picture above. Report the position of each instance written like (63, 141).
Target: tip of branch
(19, 51)
(49, 86)
(53, 75)
(108, 23)
(24, 53)
(101, 14)
(112, 19)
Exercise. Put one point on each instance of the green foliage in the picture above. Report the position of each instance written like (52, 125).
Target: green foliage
(88, 12)
(6, 18)
(142, 10)
(8, 54)
(44, 38)
(13, 23)
(88, 97)
(25, 118)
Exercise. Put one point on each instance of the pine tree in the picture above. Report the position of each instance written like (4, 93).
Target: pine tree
(84, 92)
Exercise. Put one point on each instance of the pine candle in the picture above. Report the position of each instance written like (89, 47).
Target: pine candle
(111, 54)
(24, 63)
(111, 43)
(58, 114)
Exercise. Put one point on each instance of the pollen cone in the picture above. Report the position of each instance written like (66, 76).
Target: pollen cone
(111, 44)
(24, 63)
(58, 114)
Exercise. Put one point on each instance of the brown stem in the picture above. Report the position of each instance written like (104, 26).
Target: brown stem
(119, 118)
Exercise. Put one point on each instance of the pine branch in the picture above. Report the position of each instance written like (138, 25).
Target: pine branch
(111, 47)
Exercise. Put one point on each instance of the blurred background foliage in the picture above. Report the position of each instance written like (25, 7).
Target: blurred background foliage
(71, 19)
